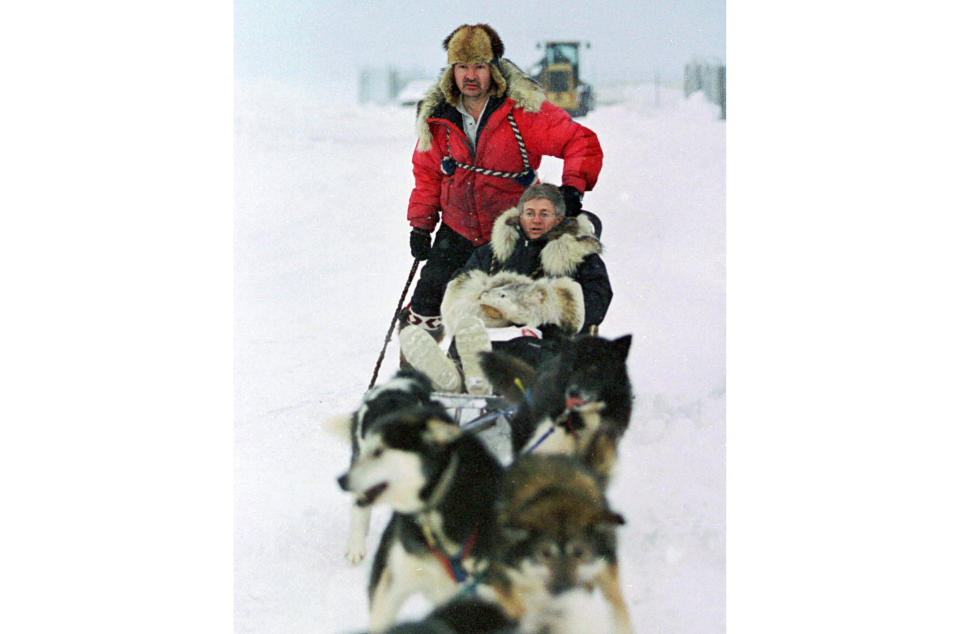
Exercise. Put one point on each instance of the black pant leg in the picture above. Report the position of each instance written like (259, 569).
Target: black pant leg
(450, 251)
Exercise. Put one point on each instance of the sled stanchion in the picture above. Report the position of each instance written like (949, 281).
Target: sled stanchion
(486, 421)
(393, 322)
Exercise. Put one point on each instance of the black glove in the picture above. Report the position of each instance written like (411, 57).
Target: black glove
(571, 200)
(419, 243)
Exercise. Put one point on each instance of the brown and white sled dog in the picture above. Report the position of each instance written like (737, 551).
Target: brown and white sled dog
(407, 388)
(558, 537)
(441, 484)
(579, 403)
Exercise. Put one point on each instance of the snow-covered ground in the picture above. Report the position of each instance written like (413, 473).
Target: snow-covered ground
(321, 258)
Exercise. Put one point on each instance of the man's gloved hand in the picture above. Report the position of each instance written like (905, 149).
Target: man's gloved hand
(571, 200)
(419, 243)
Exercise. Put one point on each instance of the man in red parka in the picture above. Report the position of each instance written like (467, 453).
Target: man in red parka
(483, 129)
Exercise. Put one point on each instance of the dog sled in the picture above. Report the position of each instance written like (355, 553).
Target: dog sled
(487, 417)
(473, 412)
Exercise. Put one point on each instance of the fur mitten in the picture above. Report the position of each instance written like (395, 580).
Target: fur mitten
(509, 298)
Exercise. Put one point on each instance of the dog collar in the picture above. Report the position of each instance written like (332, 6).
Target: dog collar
(443, 485)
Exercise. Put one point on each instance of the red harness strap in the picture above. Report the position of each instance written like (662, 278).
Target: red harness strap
(454, 566)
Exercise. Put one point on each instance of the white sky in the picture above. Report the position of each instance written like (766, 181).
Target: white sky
(307, 43)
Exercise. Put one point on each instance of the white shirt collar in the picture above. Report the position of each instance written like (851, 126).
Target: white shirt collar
(463, 110)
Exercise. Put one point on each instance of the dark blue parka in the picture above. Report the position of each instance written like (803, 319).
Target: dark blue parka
(570, 249)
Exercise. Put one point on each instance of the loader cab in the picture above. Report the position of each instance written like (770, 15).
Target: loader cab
(561, 58)
(559, 72)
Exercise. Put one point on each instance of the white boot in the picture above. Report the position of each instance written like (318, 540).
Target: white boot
(472, 339)
(423, 353)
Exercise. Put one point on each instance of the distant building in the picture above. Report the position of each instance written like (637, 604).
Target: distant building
(414, 91)
(382, 85)
(709, 76)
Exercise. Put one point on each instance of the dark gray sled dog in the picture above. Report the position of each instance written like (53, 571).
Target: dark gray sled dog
(577, 403)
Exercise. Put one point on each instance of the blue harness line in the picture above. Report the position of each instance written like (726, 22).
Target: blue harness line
(539, 440)
(455, 565)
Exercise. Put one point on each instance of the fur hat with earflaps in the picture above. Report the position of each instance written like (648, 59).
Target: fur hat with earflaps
(472, 44)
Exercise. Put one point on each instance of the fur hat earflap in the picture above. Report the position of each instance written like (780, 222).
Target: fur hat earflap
(472, 44)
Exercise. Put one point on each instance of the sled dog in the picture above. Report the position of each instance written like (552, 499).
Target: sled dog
(407, 388)
(558, 535)
(554, 566)
(577, 403)
(441, 483)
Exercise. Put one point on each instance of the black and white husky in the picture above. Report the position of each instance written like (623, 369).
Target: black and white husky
(407, 388)
(441, 483)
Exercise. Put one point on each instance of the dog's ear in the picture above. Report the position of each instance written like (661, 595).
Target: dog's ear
(612, 517)
(440, 432)
(622, 345)
(339, 425)
(509, 375)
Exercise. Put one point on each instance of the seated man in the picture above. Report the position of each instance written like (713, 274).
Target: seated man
(540, 271)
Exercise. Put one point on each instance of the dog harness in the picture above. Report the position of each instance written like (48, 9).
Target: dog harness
(448, 165)
(540, 440)
(563, 419)
(453, 565)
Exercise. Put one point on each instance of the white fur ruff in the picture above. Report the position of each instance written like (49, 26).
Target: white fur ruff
(525, 92)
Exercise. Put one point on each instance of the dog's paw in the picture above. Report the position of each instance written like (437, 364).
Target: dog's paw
(355, 553)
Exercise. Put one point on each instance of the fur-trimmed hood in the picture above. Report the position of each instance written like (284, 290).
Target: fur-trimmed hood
(525, 92)
(567, 244)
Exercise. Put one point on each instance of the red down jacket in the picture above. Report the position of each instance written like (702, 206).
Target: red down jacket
(470, 201)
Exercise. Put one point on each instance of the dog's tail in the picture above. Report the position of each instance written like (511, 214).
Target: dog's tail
(509, 376)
